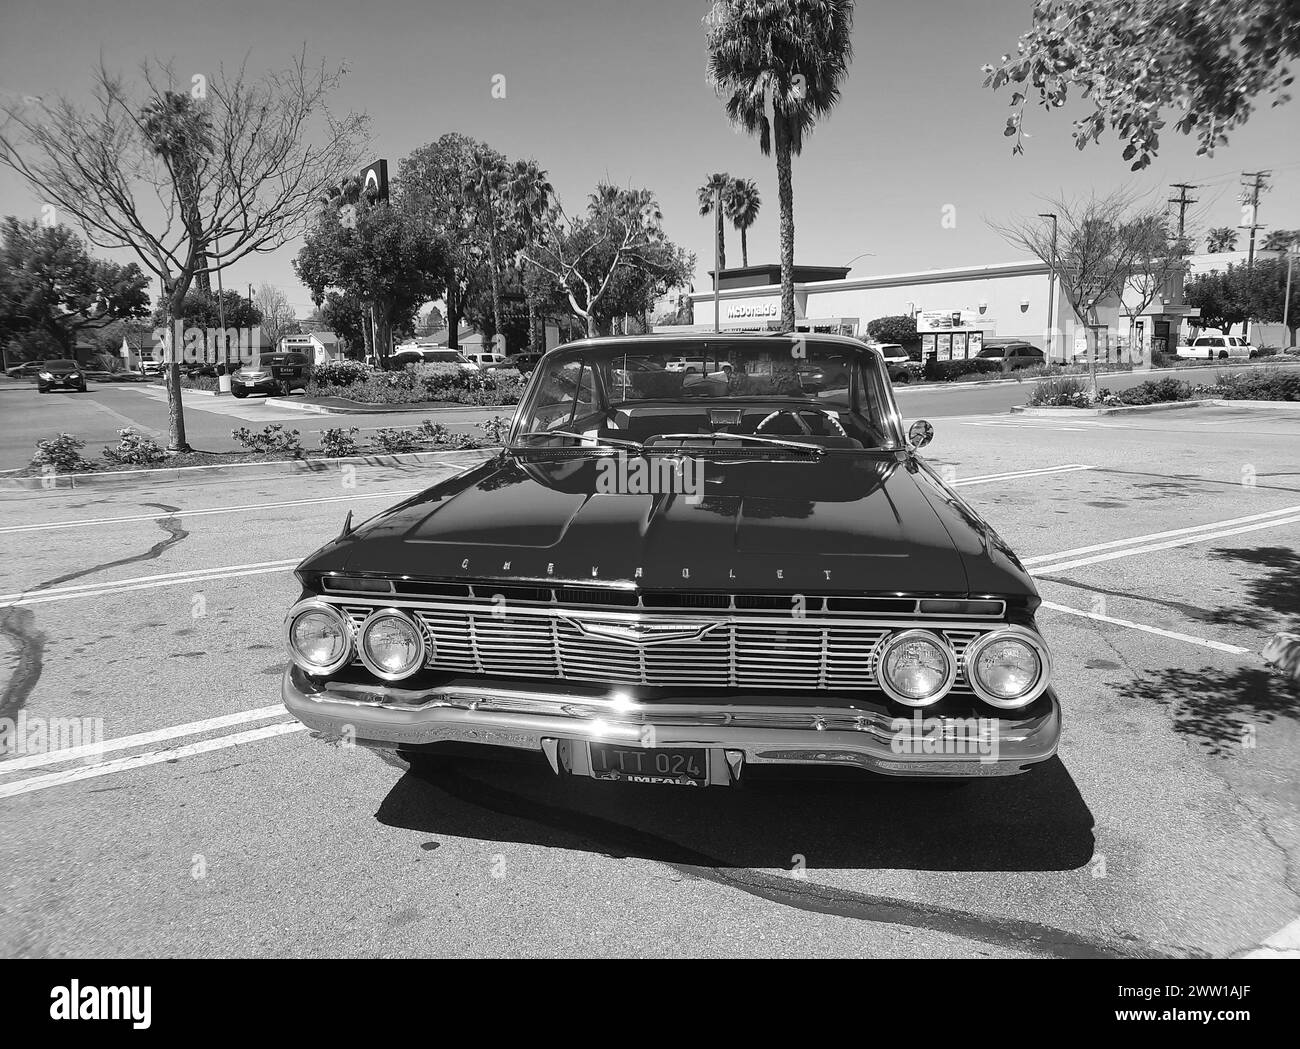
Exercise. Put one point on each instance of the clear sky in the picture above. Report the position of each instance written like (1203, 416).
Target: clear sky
(616, 89)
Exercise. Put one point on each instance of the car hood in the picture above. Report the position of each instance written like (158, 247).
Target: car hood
(844, 523)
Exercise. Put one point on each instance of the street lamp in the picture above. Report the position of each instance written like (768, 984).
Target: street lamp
(1051, 285)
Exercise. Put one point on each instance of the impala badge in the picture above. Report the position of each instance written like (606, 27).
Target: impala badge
(641, 633)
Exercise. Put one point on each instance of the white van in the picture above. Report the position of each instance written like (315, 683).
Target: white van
(487, 359)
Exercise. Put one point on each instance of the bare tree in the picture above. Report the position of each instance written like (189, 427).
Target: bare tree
(1098, 243)
(190, 177)
(277, 315)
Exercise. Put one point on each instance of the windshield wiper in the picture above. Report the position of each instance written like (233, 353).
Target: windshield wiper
(610, 441)
(775, 441)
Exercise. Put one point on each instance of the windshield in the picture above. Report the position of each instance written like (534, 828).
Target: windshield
(774, 390)
(60, 366)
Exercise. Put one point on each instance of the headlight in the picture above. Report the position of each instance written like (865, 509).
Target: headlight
(916, 668)
(1009, 668)
(318, 637)
(46, 375)
(391, 645)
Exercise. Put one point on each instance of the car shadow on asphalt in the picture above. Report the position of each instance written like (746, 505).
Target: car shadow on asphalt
(814, 819)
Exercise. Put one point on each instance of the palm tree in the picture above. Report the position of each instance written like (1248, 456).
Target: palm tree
(1222, 238)
(708, 193)
(786, 56)
(485, 188)
(1281, 239)
(742, 203)
(181, 133)
(531, 197)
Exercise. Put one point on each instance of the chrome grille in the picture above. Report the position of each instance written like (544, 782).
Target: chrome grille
(739, 652)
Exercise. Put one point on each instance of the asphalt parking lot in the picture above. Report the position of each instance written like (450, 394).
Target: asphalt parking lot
(1165, 546)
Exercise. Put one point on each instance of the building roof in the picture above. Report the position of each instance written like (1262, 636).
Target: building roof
(325, 338)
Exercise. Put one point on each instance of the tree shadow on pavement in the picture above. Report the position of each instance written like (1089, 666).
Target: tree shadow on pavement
(1272, 594)
(1220, 709)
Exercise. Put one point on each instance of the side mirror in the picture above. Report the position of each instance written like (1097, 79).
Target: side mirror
(920, 433)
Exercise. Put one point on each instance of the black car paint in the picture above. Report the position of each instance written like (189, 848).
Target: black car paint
(882, 522)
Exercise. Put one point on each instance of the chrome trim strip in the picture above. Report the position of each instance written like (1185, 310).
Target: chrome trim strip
(862, 736)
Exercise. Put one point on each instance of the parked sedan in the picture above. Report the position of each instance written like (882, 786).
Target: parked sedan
(25, 371)
(452, 358)
(670, 578)
(60, 375)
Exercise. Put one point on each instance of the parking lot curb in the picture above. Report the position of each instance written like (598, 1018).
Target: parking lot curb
(360, 409)
(379, 409)
(267, 469)
(1208, 402)
(1283, 651)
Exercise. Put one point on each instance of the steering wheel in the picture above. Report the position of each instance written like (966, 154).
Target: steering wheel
(797, 415)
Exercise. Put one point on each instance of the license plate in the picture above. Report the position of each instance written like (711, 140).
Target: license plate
(676, 767)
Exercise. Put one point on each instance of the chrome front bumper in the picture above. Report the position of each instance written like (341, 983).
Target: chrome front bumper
(550, 722)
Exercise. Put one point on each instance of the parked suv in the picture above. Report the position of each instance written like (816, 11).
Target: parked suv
(1013, 355)
(273, 373)
(60, 374)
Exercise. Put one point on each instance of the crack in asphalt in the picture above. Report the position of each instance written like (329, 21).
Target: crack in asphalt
(175, 533)
(20, 623)
(799, 893)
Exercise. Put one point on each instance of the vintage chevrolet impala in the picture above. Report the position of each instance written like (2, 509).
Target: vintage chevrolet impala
(669, 576)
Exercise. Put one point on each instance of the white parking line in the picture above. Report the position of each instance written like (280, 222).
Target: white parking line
(1282, 512)
(122, 586)
(987, 478)
(1131, 551)
(157, 516)
(140, 739)
(136, 761)
(1219, 646)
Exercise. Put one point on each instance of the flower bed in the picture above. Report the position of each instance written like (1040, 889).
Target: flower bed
(1258, 384)
(61, 454)
(415, 384)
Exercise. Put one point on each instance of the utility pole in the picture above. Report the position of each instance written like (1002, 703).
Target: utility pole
(1051, 286)
(1250, 199)
(1286, 299)
(1182, 200)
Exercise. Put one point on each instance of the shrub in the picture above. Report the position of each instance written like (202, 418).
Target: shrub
(273, 438)
(495, 429)
(1060, 392)
(338, 442)
(199, 382)
(1157, 391)
(134, 449)
(396, 441)
(1262, 384)
(900, 328)
(62, 454)
(941, 371)
(340, 373)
